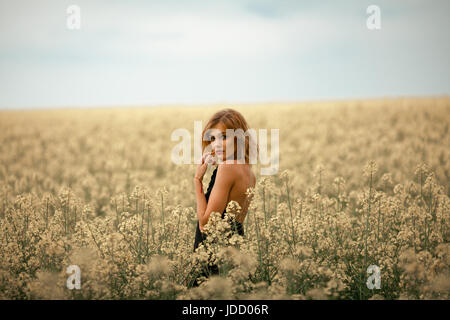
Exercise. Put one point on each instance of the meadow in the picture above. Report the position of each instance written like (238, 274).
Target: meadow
(360, 183)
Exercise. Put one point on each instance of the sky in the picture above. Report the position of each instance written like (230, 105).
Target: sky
(145, 52)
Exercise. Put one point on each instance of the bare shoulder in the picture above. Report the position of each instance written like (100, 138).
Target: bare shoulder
(229, 170)
(234, 171)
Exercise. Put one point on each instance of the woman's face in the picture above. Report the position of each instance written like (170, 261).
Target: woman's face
(220, 143)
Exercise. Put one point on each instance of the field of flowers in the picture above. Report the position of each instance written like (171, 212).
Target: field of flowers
(360, 183)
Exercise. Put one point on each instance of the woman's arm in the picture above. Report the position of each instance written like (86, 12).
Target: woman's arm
(198, 178)
(200, 197)
(219, 195)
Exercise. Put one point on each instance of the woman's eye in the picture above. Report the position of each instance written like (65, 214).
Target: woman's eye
(223, 137)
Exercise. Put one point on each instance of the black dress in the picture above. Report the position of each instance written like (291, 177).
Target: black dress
(200, 237)
(237, 226)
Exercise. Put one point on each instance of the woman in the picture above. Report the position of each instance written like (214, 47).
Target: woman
(232, 176)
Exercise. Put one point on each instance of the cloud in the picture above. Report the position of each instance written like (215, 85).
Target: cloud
(234, 50)
(160, 31)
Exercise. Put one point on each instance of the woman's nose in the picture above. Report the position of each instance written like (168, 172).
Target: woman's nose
(216, 144)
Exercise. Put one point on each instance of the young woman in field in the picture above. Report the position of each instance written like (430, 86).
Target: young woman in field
(232, 175)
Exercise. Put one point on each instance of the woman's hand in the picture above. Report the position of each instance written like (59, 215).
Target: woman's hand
(207, 159)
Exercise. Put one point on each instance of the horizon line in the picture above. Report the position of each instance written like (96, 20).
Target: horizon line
(217, 103)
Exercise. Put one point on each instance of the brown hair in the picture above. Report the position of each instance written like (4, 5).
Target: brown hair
(231, 119)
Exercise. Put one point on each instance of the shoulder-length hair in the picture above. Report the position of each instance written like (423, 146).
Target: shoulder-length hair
(232, 119)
